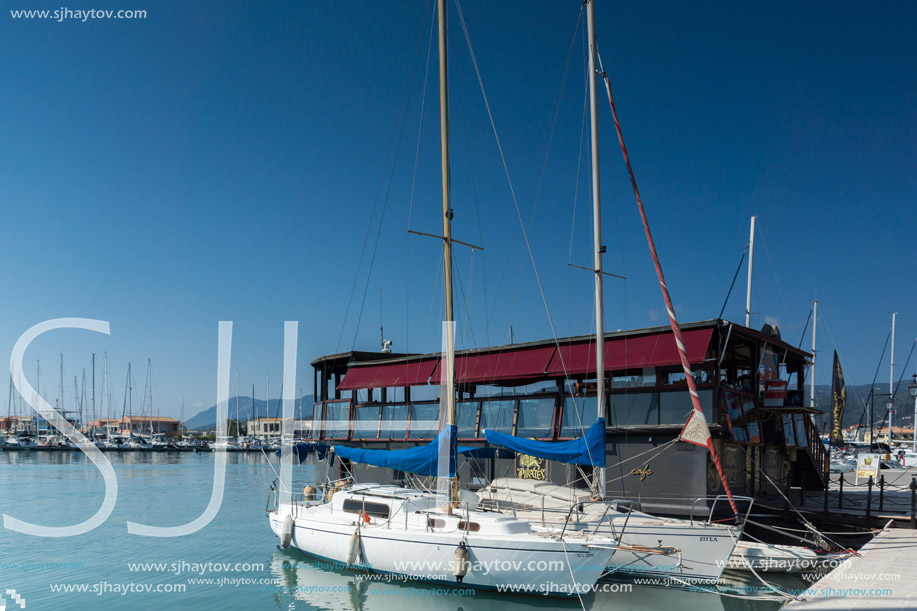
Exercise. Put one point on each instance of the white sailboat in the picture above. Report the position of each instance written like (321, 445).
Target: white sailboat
(429, 536)
(691, 550)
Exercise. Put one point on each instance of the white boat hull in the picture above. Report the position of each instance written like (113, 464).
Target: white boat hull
(648, 545)
(521, 562)
(766, 557)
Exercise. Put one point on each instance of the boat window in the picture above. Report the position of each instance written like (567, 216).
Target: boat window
(467, 418)
(337, 419)
(436, 523)
(394, 422)
(535, 417)
(424, 420)
(472, 526)
(634, 408)
(579, 414)
(376, 510)
(497, 415)
(366, 421)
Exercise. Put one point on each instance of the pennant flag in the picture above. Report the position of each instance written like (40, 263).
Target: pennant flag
(838, 402)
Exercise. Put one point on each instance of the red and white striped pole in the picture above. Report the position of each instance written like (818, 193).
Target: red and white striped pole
(695, 430)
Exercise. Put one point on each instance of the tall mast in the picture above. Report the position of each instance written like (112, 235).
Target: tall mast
(751, 267)
(93, 388)
(598, 248)
(106, 390)
(444, 154)
(447, 222)
(37, 392)
(60, 400)
(891, 385)
(149, 382)
(82, 395)
(812, 373)
(130, 400)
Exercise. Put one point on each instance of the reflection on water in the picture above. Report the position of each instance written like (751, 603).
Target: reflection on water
(167, 489)
(320, 585)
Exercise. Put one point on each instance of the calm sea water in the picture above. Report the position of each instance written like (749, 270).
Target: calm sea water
(233, 563)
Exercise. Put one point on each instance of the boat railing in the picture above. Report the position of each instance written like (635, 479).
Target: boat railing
(719, 499)
(301, 500)
(627, 505)
(580, 509)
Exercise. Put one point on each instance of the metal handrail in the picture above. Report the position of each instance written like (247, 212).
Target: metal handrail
(716, 499)
(578, 507)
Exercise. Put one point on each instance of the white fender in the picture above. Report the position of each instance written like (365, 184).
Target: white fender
(460, 562)
(353, 548)
(286, 532)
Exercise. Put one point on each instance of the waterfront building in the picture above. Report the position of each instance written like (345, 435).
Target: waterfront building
(751, 386)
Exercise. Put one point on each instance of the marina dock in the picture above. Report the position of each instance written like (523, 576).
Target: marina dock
(882, 576)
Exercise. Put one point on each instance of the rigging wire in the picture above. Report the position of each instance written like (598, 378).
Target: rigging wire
(625, 339)
(396, 145)
(806, 328)
(513, 191)
(833, 341)
(477, 214)
(549, 140)
(895, 394)
(576, 183)
(734, 278)
(407, 282)
(388, 189)
(777, 282)
(872, 386)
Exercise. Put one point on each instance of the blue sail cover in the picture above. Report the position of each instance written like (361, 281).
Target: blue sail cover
(586, 450)
(421, 460)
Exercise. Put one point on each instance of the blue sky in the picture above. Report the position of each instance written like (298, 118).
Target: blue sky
(221, 161)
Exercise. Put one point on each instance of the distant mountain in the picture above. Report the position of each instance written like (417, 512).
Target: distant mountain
(857, 406)
(207, 419)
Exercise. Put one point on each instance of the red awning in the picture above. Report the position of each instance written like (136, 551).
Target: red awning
(524, 364)
(516, 365)
(657, 350)
(411, 373)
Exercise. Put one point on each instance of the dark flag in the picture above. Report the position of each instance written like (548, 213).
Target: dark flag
(838, 402)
